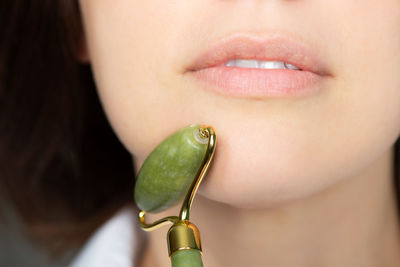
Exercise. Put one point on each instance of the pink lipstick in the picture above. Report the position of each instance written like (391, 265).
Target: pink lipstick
(253, 66)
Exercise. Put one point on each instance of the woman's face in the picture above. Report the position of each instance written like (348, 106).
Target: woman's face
(270, 149)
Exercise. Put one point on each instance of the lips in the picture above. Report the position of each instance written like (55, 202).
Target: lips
(209, 67)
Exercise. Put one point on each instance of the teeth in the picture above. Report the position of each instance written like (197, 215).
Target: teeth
(244, 63)
(290, 66)
(272, 65)
(252, 63)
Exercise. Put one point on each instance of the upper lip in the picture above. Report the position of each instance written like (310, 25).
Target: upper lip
(269, 48)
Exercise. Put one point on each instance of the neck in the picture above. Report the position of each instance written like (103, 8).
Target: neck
(353, 223)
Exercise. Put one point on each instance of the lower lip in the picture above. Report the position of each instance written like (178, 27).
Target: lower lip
(259, 83)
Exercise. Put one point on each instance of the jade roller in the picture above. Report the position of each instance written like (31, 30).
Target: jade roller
(171, 173)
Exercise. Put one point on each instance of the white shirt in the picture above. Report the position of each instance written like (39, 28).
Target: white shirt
(113, 244)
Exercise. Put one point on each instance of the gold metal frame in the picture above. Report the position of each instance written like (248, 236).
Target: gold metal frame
(179, 239)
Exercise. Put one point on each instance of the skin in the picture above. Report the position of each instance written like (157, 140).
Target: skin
(302, 182)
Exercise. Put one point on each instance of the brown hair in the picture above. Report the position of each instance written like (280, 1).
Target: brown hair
(60, 162)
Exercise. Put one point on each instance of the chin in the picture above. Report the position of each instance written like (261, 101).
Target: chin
(265, 163)
(263, 171)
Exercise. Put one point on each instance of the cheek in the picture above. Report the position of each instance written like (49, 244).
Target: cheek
(131, 46)
(369, 84)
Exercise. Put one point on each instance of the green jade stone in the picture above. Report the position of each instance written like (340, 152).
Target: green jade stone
(167, 173)
(187, 258)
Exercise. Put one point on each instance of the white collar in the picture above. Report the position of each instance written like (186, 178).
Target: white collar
(113, 244)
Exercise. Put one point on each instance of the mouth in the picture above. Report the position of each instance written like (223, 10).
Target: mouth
(252, 66)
